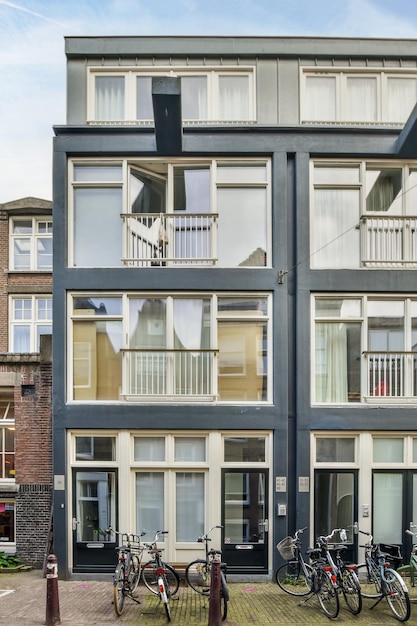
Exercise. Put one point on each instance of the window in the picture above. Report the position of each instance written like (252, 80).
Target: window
(164, 347)
(335, 450)
(349, 96)
(365, 348)
(244, 449)
(363, 215)
(158, 214)
(7, 430)
(30, 317)
(219, 95)
(95, 448)
(7, 521)
(31, 244)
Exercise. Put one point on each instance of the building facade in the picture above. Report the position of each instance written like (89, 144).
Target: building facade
(26, 379)
(235, 308)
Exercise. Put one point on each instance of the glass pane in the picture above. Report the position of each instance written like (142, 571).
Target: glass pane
(334, 307)
(150, 503)
(411, 193)
(348, 174)
(97, 173)
(189, 505)
(335, 450)
(95, 505)
(44, 253)
(103, 305)
(192, 190)
(232, 173)
(244, 449)
(21, 254)
(242, 307)
(244, 509)
(194, 97)
(149, 449)
(387, 520)
(22, 227)
(337, 362)
(110, 96)
(334, 225)
(242, 220)
(190, 448)
(22, 309)
(361, 99)
(95, 448)
(97, 227)
(415, 456)
(402, 96)
(334, 502)
(97, 360)
(144, 107)
(320, 100)
(233, 98)
(21, 339)
(388, 450)
(384, 190)
(147, 194)
(7, 521)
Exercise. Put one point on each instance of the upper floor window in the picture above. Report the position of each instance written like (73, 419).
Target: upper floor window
(367, 96)
(170, 214)
(363, 214)
(365, 349)
(7, 430)
(158, 347)
(218, 95)
(31, 244)
(30, 317)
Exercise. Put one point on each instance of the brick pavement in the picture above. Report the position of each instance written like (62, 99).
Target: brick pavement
(89, 603)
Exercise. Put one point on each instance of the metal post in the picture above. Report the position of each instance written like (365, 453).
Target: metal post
(52, 600)
(215, 616)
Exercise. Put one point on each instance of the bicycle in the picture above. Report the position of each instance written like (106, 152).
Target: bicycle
(343, 575)
(379, 580)
(411, 568)
(298, 578)
(159, 577)
(127, 573)
(198, 573)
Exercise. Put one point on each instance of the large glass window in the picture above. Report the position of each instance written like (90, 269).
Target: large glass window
(31, 317)
(7, 521)
(31, 244)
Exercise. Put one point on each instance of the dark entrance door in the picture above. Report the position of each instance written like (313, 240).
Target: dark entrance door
(94, 510)
(245, 520)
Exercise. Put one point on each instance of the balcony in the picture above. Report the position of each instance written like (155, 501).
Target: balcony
(183, 375)
(389, 241)
(158, 240)
(391, 376)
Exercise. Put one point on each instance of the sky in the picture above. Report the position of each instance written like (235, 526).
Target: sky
(32, 57)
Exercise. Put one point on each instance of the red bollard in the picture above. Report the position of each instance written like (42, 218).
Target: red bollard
(215, 616)
(52, 600)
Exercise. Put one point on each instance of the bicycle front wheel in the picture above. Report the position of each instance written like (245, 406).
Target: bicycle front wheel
(293, 579)
(224, 595)
(134, 572)
(370, 586)
(351, 591)
(118, 589)
(150, 579)
(327, 595)
(198, 576)
(396, 594)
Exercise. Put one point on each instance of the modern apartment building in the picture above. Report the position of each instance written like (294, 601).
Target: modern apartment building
(26, 378)
(235, 294)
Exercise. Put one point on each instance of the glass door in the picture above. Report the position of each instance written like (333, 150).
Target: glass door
(245, 520)
(94, 510)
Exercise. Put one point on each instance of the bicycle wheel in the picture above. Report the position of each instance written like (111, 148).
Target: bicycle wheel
(134, 572)
(197, 575)
(397, 595)
(327, 594)
(164, 595)
(150, 579)
(224, 595)
(292, 578)
(370, 587)
(119, 589)
(351, 590)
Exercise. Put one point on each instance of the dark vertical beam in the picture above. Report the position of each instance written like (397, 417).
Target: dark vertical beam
(166, 98)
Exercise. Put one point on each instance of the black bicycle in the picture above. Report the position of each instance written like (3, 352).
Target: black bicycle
(159, 577)
(198, 573)
(127, 573)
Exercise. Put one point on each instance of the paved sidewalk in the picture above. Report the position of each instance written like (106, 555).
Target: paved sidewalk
(89, 603)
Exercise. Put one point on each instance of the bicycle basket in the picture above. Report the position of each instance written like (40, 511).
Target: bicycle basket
(392, 554)
(286, 548)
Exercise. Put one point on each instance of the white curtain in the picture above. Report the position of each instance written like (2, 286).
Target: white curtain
(387, 520)
(361, 99)
(188, 322)
(320, 101)
(110, 96)
(194, 97)
(189, 505)
(402, 97)
(331, 363)
(233, 98)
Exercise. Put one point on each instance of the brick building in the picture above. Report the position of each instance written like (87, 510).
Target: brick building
(25, 378)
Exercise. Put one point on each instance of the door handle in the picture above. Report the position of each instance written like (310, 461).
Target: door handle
(265, 524)
(75, 523)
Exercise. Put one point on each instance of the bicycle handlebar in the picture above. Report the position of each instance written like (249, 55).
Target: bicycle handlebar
(325, 538)
(205, 536)
(299, 532)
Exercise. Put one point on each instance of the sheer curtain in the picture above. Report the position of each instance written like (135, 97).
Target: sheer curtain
(320, 101)
(331, 363)
(188, 322)
(110, 97)
(361, 99)
(402, 97)
(194, 97)
(233, 97)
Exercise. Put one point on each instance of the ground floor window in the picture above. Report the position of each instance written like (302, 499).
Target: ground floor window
(7, 522)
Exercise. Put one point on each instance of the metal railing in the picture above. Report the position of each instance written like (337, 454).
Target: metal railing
(389, 241)
(159, 373)
(391, 374)
(160, 239)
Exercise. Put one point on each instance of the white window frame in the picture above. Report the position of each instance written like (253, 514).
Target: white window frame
(212, 75)
(6, 423)
(32, 238)
(33, 322)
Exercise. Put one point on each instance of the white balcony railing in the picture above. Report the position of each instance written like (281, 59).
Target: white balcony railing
(163, 374)
(391, 374)
(389, 241)
(160, 239)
